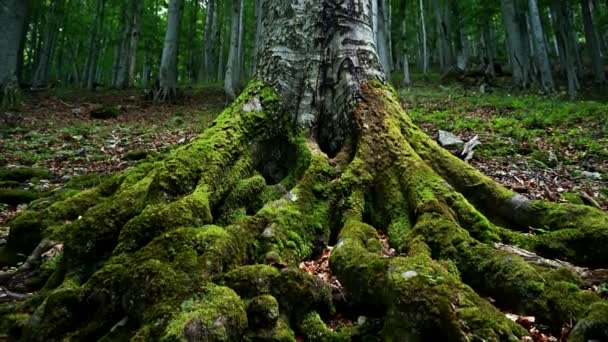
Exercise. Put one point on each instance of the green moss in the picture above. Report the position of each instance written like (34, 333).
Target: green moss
(85, 181)
(17, 196)
(280, 332)
(296, 291)
(9, 184)
(11, 324)
(136, 155)
(421, 298)
(62, 312)
(262, 311)
(216, 314)
(313, 328)
(594, 325)
(24, 174)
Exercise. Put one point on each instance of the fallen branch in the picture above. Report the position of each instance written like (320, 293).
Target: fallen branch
(589, 276)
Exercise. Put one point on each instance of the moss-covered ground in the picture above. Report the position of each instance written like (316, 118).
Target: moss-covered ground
(202, 243)
(542, 146)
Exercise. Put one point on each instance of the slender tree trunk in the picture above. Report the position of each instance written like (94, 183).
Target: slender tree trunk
(93, 51)
(592, 43)
(231, 78)
(205, 72)
(147, 68)
(382, 35)
(51, 32)
(407, 81)
(425, 50)
(129, 38)
(240, 75)
(560, 10)
(221, 63)
(13, 19)
(259, 14)
(138, 7)
(191, 65)
(540, 49)
(168, 66)
(488, 51)
(518, 43)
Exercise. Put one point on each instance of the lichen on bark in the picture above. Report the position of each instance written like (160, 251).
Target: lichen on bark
(205, 243)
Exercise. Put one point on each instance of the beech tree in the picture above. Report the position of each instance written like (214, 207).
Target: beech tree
(13, 20)
(203, 245)
(168, 66)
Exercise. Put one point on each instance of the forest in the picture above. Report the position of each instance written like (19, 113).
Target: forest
(303, 170)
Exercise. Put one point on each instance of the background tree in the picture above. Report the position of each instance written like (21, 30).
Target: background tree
(168, 66)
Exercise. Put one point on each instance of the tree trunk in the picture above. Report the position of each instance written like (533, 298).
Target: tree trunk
(222, 40)
(232, 77)
(258, 32)
(168, 65)
(191, 65)
(129, 39)
(540, 49)
(407, 81)
(51, 32)
(93, 52)
(425, 50)
(206, 69)
(592, 43)
(560, 10)
(517, 42)
(204, 245)
(13, 19)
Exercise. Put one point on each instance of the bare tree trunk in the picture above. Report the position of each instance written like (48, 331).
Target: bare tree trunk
(93, 51)
(258, 32)
(221, 64)
(560, 10)
(592, 43)
(407, 81)
(425, 50)
(13, 19)
(541, 55)
(51, 32)
(127, 55)
(191, 65)
(231, 79)
(168, 65)
(518, 43)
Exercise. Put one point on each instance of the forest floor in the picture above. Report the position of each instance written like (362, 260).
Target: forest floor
(542, 147)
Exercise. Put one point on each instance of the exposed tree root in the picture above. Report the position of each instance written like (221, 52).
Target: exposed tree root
(205, 244)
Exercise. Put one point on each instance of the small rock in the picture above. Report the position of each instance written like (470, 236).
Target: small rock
(409, 274)
(592, 175)
(449, 139)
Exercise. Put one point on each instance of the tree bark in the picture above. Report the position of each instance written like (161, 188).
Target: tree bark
(93, 52)
(204, 245)
(206, 70)
(518, 43)
(191, 65)
(232, 76)
(540, 49)
(564, 27)
(592, 43)
(407, 81)
(168, 65)
(51, 32)
(425, 50)
(13, 19)
(258, 32)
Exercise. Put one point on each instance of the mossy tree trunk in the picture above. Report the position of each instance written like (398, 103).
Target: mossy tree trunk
(204, 244)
